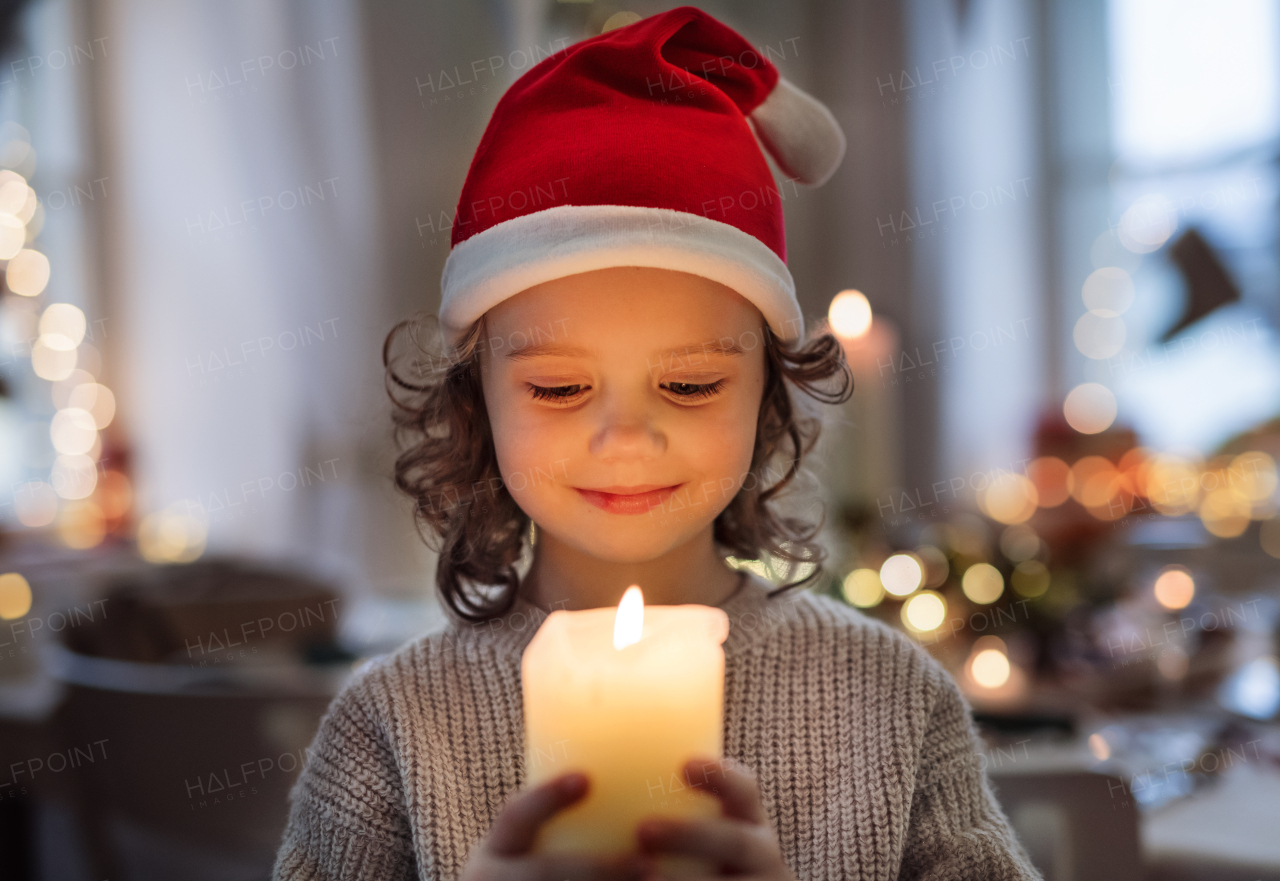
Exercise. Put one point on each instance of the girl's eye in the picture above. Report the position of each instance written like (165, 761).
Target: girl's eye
(555, 393)
(695, 390)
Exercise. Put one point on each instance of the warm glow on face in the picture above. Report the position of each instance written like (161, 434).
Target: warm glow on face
(1174, 589)
(637, 377)
(849, 314)
(1099, 747)
(628, 623)
(901, 574)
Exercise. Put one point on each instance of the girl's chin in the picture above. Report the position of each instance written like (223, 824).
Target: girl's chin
(617, 544)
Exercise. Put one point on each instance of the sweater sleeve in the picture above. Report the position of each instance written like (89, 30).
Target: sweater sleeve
(347, 815)
(957, 830)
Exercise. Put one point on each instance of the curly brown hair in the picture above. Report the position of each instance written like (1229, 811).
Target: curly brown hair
(448, 466)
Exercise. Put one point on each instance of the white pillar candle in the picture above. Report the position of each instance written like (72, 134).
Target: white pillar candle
(625, 695)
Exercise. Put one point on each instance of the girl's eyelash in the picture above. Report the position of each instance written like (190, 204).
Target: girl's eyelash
(560, 393)
(701, 390)
(553, 393)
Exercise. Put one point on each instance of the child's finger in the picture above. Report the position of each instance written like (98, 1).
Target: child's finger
(740, 847)
(581, 867)
(517, 825)
(731, 782)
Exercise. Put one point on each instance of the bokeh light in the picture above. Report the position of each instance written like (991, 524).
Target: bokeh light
(1174, 588)
(924, 612)
(15, 596)
(28, 271)
(862, 588)
(982, 583)
(13, 235)
(1030, 578)
(74, 476)
(1090, 408)
(1173, 485)
(82, 525)
(990, 668)
(73, 431)
(1269, 537)
(1099, 337)
(114, 494)
(1049, 474)
(173, 535)
(1108, 291)
(52, 364)
(936, 567)
(1009, 498)
(901, 574)
(35, 503)
(95, 399)
(1148, 223)
(849, 314)
(1019, 542)
(62, 326)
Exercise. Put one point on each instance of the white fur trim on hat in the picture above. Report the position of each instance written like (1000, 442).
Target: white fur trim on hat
(516, 254)
(800, 133)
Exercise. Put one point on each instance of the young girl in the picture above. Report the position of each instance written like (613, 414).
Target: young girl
(615, 407)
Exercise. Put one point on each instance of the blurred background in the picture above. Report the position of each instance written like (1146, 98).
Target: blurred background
(1051, 254)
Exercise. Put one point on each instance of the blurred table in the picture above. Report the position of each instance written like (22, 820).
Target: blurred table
(1227, 832)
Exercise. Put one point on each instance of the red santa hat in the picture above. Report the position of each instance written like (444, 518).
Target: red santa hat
(639, 147)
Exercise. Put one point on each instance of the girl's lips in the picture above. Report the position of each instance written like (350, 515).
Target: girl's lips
(628, 503)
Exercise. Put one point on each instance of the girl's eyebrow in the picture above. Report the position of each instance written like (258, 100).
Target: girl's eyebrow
(722, 346)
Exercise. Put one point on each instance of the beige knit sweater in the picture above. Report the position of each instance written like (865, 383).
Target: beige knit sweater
(864, 749)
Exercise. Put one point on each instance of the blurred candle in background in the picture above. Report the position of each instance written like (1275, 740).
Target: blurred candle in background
(863, 439)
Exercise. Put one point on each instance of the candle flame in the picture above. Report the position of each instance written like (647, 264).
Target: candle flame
(629, 621)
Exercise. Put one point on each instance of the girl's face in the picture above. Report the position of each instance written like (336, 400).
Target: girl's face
(623, 404)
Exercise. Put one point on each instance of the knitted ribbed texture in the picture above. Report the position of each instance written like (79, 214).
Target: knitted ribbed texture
(865, 751)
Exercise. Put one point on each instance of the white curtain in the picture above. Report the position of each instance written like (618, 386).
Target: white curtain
(246, 307)
(971, 95)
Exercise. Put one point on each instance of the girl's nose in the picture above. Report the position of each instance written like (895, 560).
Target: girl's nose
(626, 432)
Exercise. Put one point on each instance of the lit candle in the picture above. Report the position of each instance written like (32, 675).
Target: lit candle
(626, 696)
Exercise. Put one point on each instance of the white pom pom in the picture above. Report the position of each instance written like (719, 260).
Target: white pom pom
(800, 134)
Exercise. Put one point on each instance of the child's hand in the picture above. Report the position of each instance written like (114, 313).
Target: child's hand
(740, 841)
(504, 855)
